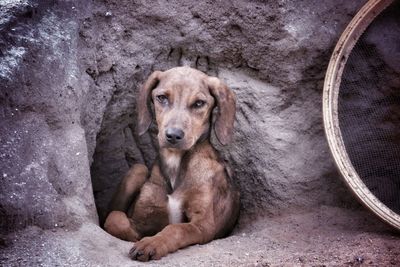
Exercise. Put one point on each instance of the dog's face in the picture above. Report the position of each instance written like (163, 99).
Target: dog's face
(182, 105)
(183, 102)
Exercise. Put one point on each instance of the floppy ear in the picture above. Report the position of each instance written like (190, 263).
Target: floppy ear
(226, 102)
(144, 114)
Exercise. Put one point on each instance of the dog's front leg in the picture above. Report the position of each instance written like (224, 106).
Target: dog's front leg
(170, 239)
(200, 229)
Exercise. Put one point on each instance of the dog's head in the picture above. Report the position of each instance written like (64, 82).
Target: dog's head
(184, 99)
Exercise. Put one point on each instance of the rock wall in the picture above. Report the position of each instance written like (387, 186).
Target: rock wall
(45, 177)
(70, 72)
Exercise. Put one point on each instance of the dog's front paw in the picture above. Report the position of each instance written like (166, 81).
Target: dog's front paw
(148, 248)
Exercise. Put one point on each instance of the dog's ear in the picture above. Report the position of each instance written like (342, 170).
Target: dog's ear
(226, 102)
(143, 109)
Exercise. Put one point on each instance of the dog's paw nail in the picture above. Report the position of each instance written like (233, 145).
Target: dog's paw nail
(132, 253)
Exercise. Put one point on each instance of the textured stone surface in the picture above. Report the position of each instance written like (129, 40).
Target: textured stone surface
(45, 178)
(69, 75)
(328, 236)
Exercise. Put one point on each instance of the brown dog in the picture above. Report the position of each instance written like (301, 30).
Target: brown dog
(189, 197)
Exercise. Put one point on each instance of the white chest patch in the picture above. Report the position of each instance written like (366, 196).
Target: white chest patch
(174, 210)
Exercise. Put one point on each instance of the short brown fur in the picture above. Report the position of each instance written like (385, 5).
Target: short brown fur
(188, 169)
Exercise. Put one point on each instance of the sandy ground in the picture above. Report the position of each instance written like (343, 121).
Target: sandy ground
(328, 236)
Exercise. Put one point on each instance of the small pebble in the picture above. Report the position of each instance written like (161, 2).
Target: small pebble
(359, 259)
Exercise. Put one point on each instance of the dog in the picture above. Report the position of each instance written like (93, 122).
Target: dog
(189, 196)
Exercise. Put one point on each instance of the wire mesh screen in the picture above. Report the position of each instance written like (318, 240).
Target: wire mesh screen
(369, 107)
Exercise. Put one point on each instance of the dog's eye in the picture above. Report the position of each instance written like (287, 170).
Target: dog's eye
(163, 99)
(198, 104)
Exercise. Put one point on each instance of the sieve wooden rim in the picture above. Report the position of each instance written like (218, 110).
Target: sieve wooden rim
(333, 133)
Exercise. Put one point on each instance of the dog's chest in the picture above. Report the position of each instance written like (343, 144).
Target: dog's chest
(172, 164)
(175, 214)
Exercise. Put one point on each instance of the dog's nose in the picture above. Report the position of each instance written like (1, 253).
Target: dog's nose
(174, 135)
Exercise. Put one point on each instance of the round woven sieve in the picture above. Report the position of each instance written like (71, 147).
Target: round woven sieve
(361, 107)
